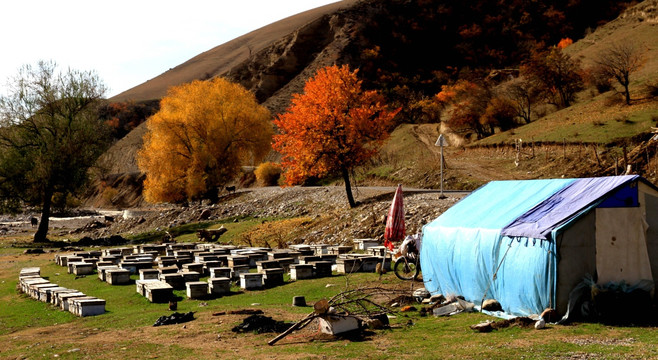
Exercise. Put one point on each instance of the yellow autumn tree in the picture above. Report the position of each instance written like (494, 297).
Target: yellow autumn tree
(204, 132)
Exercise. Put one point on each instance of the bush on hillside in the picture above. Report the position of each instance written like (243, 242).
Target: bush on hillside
(268, 173)
(596, 77)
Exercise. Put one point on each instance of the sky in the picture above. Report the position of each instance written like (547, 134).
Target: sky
(127, 42)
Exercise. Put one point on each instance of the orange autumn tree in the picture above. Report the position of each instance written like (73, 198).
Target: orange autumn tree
(331, 128)
(204, 132)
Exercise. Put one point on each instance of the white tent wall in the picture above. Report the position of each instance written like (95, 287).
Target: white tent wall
(649, 205)
(577, 257)
(621, 246)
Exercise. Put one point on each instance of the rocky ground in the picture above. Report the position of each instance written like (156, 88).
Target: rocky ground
(336, 222)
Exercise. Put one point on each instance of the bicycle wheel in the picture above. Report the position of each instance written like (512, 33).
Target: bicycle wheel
(405, 269)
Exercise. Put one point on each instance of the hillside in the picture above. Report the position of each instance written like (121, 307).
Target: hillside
(221, 59)
(388, 41)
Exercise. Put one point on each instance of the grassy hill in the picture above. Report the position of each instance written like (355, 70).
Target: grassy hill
(604, 118)
(598, 135)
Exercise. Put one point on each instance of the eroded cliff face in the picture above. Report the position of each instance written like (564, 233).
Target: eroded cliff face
(280, 70)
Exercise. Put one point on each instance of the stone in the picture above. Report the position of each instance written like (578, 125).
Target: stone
(437, 298)
(540, 324)
(298, 301)
(491, 305)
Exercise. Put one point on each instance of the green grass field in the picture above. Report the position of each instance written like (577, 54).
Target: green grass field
(31, 329)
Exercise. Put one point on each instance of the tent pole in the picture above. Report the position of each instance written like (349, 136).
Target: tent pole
(495, 275)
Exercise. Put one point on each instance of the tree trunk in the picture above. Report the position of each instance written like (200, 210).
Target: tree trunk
(348, 187)
(42, 231)
(628, 94)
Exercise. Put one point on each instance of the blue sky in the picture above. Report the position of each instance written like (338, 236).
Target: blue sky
(127, 42)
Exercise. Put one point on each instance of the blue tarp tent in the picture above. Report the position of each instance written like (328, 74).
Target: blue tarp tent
(527, 243)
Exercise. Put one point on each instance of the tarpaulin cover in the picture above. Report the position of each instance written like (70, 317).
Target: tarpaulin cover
(497, 241)
(566, 203)
(463, 248)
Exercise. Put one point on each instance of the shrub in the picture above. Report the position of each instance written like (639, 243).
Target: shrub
(597, 78)
(108, 195)
(268, 173)
(652, 89)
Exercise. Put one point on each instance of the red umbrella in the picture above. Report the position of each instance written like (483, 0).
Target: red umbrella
(395, 220)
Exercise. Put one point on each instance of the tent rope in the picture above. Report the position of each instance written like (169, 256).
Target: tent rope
(495, 275)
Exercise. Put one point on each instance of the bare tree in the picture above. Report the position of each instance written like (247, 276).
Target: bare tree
(524, 95)
(620, 60)
(555, 74)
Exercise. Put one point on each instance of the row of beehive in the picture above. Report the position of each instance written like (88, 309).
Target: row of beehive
(181, 265)
(31, 283)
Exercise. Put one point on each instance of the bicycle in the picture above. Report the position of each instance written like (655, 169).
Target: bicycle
(407, 265)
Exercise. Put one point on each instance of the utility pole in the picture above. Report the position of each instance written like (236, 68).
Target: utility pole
(441, 141)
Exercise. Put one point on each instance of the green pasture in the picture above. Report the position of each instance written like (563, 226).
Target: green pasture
(410, 336)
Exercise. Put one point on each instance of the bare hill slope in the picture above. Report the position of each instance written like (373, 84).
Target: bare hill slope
(221, 59)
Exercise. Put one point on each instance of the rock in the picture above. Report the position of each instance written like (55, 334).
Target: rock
(482, 327)
(421, 294)
(33, 251)
(377, 322)
(205, 214)
(540, 324)
(438, 298)
(298, 301)
(491, 305)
